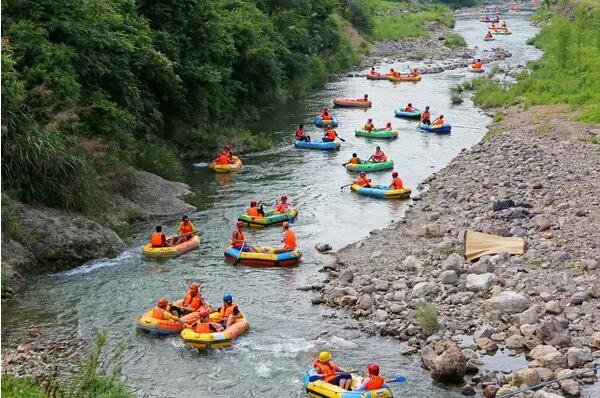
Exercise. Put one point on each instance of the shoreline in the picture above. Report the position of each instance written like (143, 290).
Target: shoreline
(535, 182)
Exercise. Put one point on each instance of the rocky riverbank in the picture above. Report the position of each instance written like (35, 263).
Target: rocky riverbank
(535, 175)
(37, 239)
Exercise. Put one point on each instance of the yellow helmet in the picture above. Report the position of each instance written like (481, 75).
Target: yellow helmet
(324, 356)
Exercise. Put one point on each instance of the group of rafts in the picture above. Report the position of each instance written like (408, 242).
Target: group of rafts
(496, 30)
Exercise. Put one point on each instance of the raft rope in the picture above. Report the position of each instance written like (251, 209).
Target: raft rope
(546, 383)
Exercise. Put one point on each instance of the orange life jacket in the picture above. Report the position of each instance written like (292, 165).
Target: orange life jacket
(158, 313)
(282, 208)
(156, 239)
(369, 126)
(331, 134)
(192, 302)
(205, 327)
(425, 116)
(327, 369)
(363, 181)
(409, 109)
(477, 65)
(379, 157)
(237, 238)
(253, 211)
(225, 312)
(325, 116)
(223, 158)
(185, 228)
(438, 122)
(299, 133)
(354, 160)
(397, 183)
(289, 240)
(374, 383)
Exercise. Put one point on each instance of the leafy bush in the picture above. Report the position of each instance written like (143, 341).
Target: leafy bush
(498, 117)
(360, 14)
(454, 40)
(406, 23)
(17, 387)
(161, 159)
(426, 318)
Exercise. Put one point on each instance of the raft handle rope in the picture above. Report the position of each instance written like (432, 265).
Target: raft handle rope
(546, 383)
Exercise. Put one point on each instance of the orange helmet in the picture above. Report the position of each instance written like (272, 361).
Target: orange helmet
(194, 287)
(162, 302)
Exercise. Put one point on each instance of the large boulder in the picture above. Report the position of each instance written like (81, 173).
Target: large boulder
(553, 333)
(477, 283)
(508, 302)
(451, 366)
(525, 376)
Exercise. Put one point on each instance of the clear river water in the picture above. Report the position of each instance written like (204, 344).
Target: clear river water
(287, 331)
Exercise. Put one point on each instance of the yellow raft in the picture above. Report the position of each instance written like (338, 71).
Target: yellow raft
(320, 389)
(172, 251)
(226, 168)
(203, 341)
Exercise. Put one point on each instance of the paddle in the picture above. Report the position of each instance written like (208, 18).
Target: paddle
(239, 254)
(341, 139)
(344, 186)
(397, 379)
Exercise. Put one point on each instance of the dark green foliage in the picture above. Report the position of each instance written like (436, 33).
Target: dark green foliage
(360, 14)
(93, 86)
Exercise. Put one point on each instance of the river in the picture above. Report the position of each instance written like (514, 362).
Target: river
(287, 331)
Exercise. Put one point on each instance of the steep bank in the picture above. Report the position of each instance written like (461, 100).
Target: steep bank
(536, 175)
(37, 239)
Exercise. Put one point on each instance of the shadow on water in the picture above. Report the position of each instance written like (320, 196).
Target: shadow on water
(286, 330)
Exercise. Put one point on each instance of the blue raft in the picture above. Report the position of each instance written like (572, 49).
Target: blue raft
(381, 192)
(443, 129)
(326, 146)
(320, 123)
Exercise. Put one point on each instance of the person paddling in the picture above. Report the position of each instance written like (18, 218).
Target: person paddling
(237, 238)
(426, 116)
(354, 159)
(162, 310)
(365, 98)
(325, 115)
(439, 121)
(254, 210)
(330, 134)
(228, 311)
(185, 231)
(300, 135)
(409, 108)
(283, 206)
(369, 126)
(288, 237)
(373, 381)
(378, 156)
(331, 372)
(396, 182)
(206, 325)
(489, 35)
(477, 64)
(363, 181)
(158, 238)
(388, 126)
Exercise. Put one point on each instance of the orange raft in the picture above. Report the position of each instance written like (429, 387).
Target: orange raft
(377, 76)
(350, 103)
(163, 327)
(405, 78)
(203, 341)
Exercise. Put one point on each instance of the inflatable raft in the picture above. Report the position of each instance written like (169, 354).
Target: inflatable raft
(407, 115)
(487, 18)
(488, 38)
(377, 133)
(443, 129)
(172, 251)
(503, 32)
(270, 257)
(325, 146)
(317, 388)
(370, 166)
(350, 103)
(473, 69)
(378, 76)
(271, 217)
(381, 192)
(226, 168)
(163, 327)
(405, 78)
(204, 341)
(323, 123)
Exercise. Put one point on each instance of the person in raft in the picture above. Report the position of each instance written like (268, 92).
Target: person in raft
(489, 35)
(365, 98)
(394, 73)
(378, 156)
(300, 135)
(237, 238)
(158, 238)
(409, 108)
(185, 231)
(228, 311)
(369, 126)
(373, 71)
(330, 134)
(226, 156)
(354, 159)
(477, 64)
(288, 238)
(414, 72)
(193, 300)
(283, 206)
(504, 24)
(325, 115)
(439, 122)
(162, 310)
(331, 372)
(363, 181)
(396, 182)
(493, 25)
(388, 126)
(206, 325)
(373, 381)
(426, 116)
(254, 210)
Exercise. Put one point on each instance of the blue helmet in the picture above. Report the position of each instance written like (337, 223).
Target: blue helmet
(227, 298)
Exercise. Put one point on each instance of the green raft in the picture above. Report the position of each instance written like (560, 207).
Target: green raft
(377, 133)
(271, 218)
(370, 166)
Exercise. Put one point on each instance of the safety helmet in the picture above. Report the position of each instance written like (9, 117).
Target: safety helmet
(162, 302)
(373, 369)
(395, 174)
(239, 224)
(227, 298)
(285, 225)
(324, 356)
(194, 287)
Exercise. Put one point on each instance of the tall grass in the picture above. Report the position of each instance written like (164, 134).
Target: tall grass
(399, 20)
(567, 72)
(454, 40)
(426, 318)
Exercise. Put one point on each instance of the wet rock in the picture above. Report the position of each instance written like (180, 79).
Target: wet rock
(450, 366)
(484, 331)
(506, 389)
(542, 350)
(448, 277)
(477, 283)
(525, 376)
(468, 390)
(490, 390)
(578, 298)
(322, 247)
(508, 302)
(553, 333)
(486, 344)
